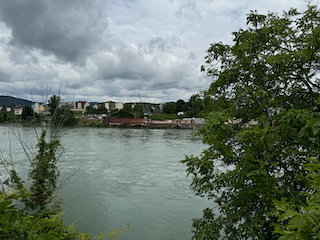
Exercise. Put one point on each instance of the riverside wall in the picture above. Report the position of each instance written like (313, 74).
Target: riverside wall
(173, 124)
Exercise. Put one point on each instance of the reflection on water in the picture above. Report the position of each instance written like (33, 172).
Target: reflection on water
(126, 176)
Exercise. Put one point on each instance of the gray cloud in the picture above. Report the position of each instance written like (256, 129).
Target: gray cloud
(154, 48)
(16, 56)
(4, 77)
(125, 63)
(189, 11)
(192, 56)
(163, 44)
(68, 29)
(160, 44)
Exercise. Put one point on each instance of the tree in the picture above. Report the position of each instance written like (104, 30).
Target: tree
(90, 110)
(101, 110)
(53, 104)
(60, 116)
(182, 106)
(125, 113)
(170, 108)
(64, 117)
(128, 107)
(262, 124)
(26, 111)
(195, 105)
(43, 174)
(3, 115)
(9, 116)
(137, 111)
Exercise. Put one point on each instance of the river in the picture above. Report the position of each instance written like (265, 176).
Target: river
(123, 176)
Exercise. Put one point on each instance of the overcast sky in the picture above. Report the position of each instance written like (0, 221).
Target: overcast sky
(113, 50)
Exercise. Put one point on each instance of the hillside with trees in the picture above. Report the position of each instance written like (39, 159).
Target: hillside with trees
(9, 101)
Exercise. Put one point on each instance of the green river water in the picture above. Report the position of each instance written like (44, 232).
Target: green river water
(123, 176)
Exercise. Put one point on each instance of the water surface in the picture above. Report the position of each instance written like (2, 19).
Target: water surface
(124, 176)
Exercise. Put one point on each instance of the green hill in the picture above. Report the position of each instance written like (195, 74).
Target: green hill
(8, 100)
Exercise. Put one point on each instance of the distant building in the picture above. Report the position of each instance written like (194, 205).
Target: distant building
(113, 105)
(18, 110)
(80, 107)
(96, 105)
(40, 108)
(67, 105)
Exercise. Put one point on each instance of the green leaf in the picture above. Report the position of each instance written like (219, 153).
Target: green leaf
(287, 237)
(49, 224)
(311, 218)
(301, 223)
(288, 214)
(46, 236)
(4, 204)
(316, 228)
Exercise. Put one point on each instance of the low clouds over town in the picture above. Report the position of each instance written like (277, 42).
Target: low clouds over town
(103, 50)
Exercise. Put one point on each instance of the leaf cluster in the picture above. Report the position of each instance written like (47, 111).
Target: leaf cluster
(301, 222)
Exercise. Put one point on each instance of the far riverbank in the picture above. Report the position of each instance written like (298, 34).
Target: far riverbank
(124, 122)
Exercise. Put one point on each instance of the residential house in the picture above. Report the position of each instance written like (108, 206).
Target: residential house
(39, 108)
(96, 105)
(18, 109)
(80, 107)
(113, 105)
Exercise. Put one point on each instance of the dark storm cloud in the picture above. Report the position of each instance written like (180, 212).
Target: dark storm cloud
(68, 29)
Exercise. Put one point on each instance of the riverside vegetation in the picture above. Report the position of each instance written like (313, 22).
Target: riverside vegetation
(263, 178)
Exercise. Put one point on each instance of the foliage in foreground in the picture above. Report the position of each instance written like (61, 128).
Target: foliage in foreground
(302, 222)
(43, 174)
(262, 124)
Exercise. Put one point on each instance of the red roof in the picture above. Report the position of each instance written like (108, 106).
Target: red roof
(126, 120)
